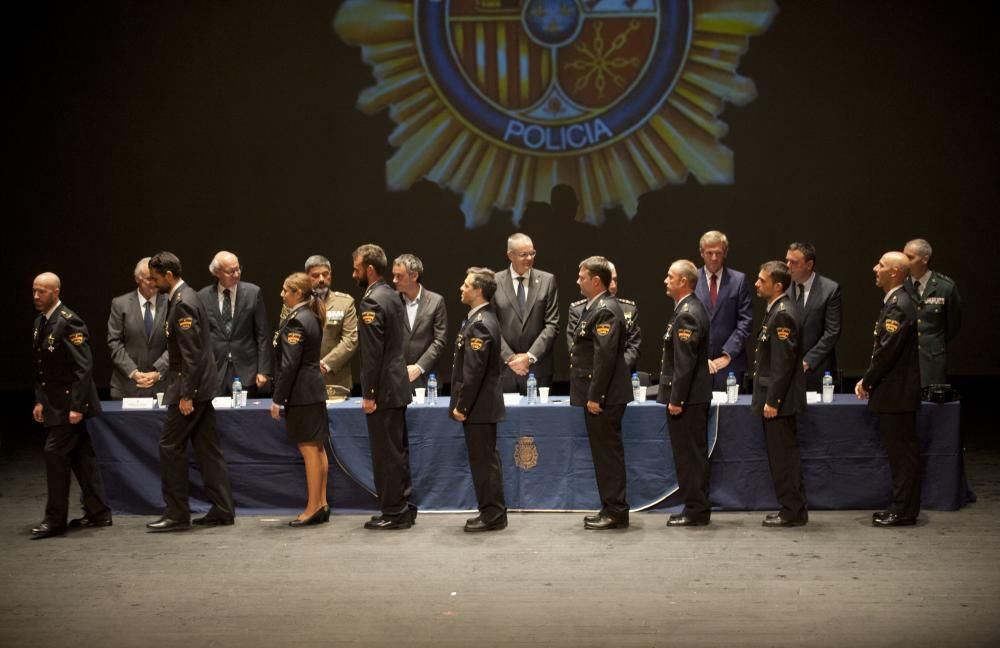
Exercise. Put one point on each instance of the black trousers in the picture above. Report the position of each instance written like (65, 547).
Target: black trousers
(391, 460)
(199, 428)
(785, 461)
(68, 449)
(487, 471)
(689, 442)
(902, 444)
(605, 433)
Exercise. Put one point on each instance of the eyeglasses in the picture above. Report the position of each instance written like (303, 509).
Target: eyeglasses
(527, 255)
(232, 271)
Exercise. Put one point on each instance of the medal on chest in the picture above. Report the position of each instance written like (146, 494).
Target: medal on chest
(52, 343)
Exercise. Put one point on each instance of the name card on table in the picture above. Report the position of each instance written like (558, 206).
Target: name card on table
(222, 402)
(138, 403)
(719, 398)
(812, 397)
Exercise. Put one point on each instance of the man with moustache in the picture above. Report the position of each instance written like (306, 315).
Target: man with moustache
(779, 393)
(891, 385)
(385, 389)
(599, 382)
(426, 319)
(136, 339)
(65, 396)
(686, 390)
(633, 337)
(192, 381)
(817, 300)
(527, 305)
(477, 397)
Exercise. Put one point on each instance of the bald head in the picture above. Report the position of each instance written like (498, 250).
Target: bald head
(45, 291)
(891, 270)
(226, 268)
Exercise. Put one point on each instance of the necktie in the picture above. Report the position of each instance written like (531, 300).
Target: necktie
(522, 296)
(147, 319)
(40, 333)
(916, 287)
(801, 298)
(713, 290)
(227, 311)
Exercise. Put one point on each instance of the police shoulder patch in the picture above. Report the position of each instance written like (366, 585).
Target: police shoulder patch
(476, 343)
(185, 323)
(368, 317)
(293, 337)
(783, 333)
(891, 325)
(76, 339)
(602, 329)
(684, 334)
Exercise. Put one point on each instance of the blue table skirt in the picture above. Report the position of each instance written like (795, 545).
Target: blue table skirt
(545, 455)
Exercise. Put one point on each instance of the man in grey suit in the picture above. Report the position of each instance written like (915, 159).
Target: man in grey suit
(527, 305)
(136, 338)
(818, 302)
(426, 320)
(241, 341)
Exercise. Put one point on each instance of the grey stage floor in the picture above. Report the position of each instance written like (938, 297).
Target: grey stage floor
(543, 581)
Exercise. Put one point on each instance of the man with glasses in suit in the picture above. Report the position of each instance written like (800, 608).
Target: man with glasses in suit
(136, 338)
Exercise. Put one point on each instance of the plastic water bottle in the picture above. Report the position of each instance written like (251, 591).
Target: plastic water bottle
(432, 389)
(827, 387)
(637, 390)
(532, 389)
(732, 388)
(237, 392)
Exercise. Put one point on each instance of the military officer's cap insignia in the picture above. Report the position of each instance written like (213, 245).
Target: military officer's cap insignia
(500, 100)
(476, 344)
(891, 325)
(293, 337)
(684, 334)
(185, 323)
(602, 329)
(76, 339)
(526, 453)
(783, 333)
(368, 317)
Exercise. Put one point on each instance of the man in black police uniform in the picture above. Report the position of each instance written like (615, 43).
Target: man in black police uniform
(892, 386)
(599, 381)
(633, 336)
(686, 390)
(779, 393)
(939, 312)
(191, 383)
(65, 396)
(477, 397)
(385, 388)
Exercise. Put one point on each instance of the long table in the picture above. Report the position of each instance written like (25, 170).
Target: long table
(545, 455)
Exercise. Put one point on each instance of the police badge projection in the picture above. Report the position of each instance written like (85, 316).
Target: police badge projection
(501, 100)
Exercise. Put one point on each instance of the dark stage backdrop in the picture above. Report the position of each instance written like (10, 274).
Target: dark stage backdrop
(199, 126)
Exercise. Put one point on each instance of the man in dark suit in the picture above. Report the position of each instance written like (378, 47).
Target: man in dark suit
(892, 386)
(633, 336)
(527, 305)
(817, 300)
(779, 393)
(686, 390)
(241, 339)
(65, 396)
(426, 320)
(726, 296)
(192, 381)
(599, 382)
(136, 339)
(939, 312)
(477, 397)
(385, 388)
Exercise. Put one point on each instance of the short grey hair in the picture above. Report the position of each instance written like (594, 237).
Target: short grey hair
(142, 265)
(686, 269)
(317, 260)
(713, 237)
(411, 263)
(517, 239)
(924, 248)
(213, 267)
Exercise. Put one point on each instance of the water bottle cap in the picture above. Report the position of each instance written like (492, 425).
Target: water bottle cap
(433, 375)
(826, 373)
(531, 374)
(732, 374)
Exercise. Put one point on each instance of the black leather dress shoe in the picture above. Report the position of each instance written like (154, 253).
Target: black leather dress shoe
(894, 520)
(685, 521)
(46, 530)
(771, 516)
(592, 519)
(778, 521)
(90, 523)
(605, 522)
(386, 524)
(319, 516)
(879, 515)
(165, 524)
(477, 524)
(206, 521)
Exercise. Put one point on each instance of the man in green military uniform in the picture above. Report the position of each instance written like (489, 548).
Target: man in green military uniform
(939, 312)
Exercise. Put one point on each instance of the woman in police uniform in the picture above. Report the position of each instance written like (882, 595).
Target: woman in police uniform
(299, 389)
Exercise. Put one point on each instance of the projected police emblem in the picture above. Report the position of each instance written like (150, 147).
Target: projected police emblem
(500, 100)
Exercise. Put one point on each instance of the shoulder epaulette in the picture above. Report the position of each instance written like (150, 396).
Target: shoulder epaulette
(943, 277)
(781, 306)
(66, 313)
(626, 301)
(579, 302)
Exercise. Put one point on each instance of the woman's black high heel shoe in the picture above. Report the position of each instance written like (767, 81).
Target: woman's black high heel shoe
(319, 517)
